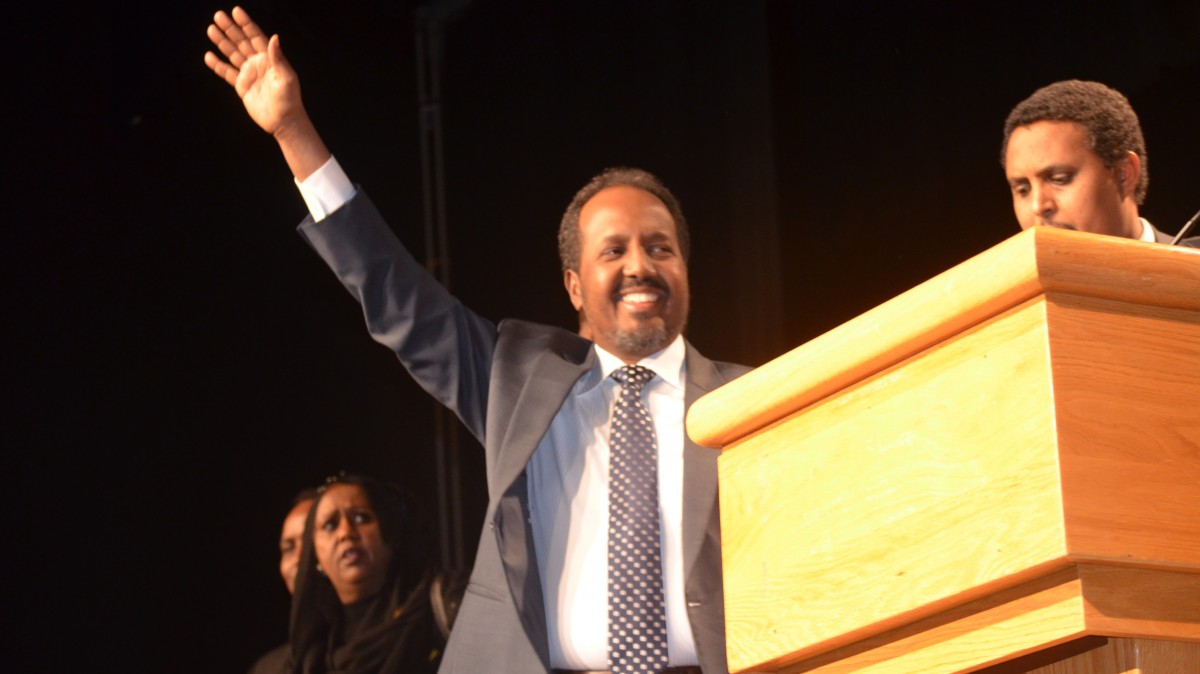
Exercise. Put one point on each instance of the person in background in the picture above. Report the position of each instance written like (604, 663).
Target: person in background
(362, 601)
(290, 537)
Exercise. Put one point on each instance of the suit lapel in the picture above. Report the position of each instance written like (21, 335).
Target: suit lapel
(550, 380)
(699, 463)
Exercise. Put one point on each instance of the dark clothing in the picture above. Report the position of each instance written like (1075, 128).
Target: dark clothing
(274, 661)
(390, 632)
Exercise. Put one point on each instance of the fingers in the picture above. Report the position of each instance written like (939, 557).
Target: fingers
(221, 68)
(250, 29)
(225, 45)
(238, 38)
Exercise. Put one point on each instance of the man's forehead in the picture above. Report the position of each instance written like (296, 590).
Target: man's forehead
(627, 202)
(1045, 142)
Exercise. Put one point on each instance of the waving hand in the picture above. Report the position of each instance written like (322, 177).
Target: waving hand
(255, 67)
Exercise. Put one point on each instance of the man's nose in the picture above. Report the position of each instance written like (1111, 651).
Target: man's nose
(1042, 202)
(638, 263)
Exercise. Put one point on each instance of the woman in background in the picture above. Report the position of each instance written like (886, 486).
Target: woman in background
(362, 601)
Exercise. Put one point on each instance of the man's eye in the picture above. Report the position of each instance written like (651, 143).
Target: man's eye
(361, 518)
(611, 252)
(1061, 178)
(1021, 190)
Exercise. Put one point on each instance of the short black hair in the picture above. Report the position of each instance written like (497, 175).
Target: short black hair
(569, 239)
(1109, 122)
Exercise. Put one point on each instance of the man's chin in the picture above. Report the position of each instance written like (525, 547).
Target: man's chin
(642, 341)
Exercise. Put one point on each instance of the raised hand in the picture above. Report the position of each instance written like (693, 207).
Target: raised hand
(255, 67)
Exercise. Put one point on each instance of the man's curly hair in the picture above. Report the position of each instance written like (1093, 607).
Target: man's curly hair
(1109, 122)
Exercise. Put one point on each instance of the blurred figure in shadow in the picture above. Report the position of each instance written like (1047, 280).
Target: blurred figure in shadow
(292, 535)
(290, 538)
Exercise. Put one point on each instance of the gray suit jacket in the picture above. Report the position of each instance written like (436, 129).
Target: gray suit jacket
(506, 383)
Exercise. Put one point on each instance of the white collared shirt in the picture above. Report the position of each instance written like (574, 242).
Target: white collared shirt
(1147, 231)
(568, 497)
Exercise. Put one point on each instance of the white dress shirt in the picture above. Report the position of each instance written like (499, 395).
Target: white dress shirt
(568, 497)
(1147, 231)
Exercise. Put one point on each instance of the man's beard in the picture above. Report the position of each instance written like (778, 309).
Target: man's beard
(647, 339)
(651, 335)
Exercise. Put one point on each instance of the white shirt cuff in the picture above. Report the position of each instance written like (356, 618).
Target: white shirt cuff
(326, 190)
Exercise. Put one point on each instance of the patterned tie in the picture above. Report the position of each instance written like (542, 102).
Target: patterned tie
(637, 621)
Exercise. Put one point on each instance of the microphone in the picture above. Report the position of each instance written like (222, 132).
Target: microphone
(1187, 227)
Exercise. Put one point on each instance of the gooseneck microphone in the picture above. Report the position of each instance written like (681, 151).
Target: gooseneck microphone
(1186, 228)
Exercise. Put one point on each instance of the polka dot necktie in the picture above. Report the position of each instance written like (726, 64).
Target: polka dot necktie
(637, 621)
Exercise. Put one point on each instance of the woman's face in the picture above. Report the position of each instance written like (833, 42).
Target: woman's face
(349, 543)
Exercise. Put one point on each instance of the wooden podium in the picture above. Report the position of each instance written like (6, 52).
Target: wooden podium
(997, 470)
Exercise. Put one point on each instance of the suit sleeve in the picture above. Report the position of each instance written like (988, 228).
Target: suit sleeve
(445, 346)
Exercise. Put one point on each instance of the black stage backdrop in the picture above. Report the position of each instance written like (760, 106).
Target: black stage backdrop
(179, 362)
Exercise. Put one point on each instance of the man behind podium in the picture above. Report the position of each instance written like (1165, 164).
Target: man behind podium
(1074, 157)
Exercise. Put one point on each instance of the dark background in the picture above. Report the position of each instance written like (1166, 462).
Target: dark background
(179, 363)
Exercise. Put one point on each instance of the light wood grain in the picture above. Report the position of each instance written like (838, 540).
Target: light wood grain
(1053, 610)
(891, 489)
(1034, 262)
(1040, 614)
(1122, 601)
(1149, 656)
(1129, 656)
(1127, 384)
(820, 550)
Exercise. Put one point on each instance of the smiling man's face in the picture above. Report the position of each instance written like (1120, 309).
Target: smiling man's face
(632, 284)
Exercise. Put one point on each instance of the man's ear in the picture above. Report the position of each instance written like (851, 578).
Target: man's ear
(1129, 170)
(571, 282)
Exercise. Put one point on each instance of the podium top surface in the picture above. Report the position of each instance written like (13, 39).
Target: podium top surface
(1035, 262)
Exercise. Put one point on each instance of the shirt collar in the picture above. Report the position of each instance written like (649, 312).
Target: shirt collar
(1147, 231)
(667, 364)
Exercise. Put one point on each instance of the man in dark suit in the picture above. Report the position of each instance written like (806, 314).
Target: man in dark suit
(539, 398)
(1074, 157)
